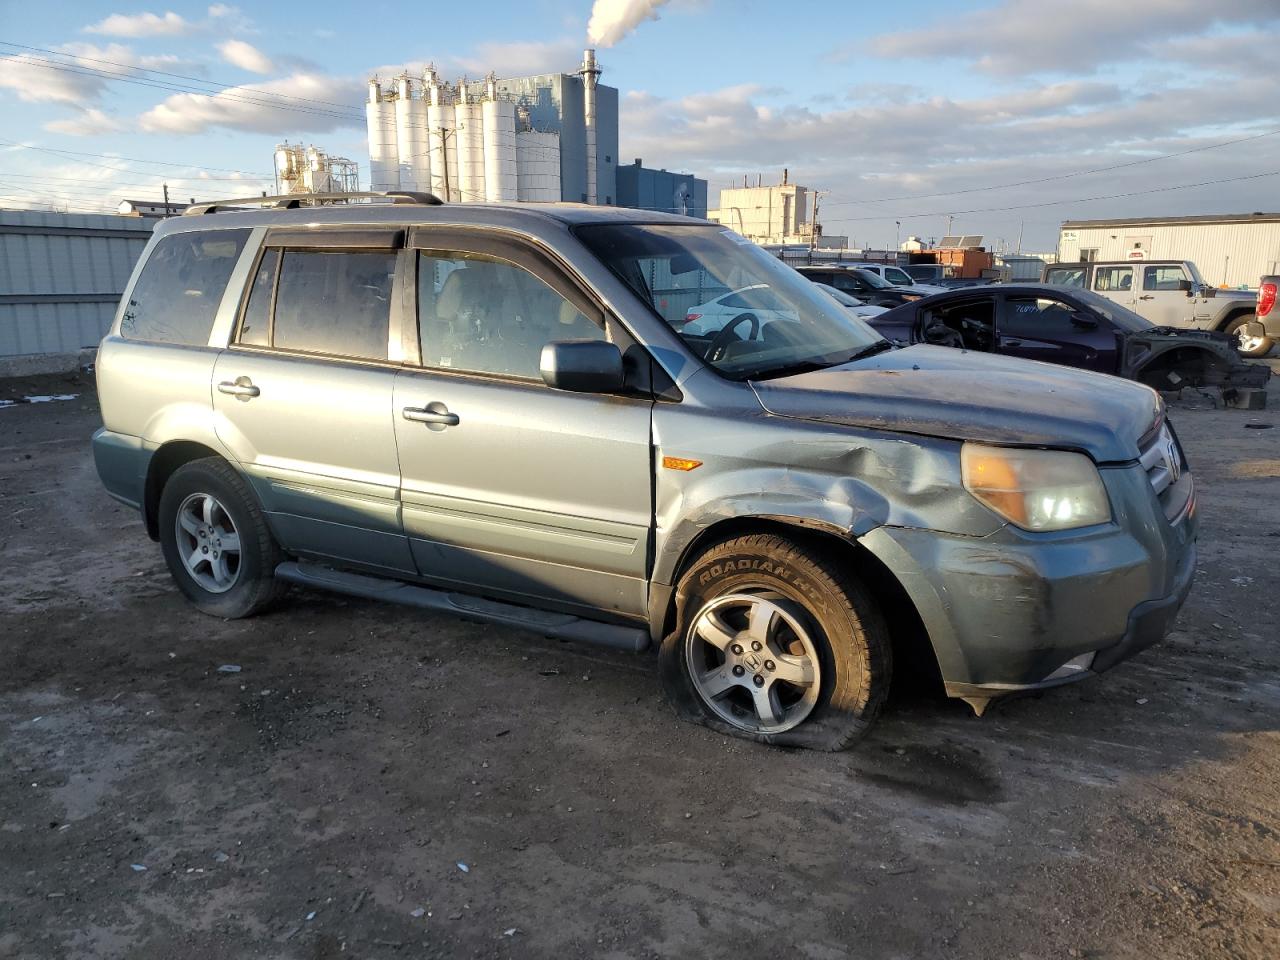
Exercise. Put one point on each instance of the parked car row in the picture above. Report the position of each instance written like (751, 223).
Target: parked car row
(505, 413)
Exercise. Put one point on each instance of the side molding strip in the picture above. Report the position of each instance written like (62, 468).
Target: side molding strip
(546, 622)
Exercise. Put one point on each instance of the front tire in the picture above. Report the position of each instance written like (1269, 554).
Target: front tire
(216, 541)
(1248, 346)
(777, 643)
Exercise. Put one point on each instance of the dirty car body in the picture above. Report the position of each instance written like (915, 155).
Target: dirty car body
(1074, 328)
(580, 494)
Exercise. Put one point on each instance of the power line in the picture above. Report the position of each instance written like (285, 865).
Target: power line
(105, 156)
(177, 76)
(1057, 203)
(1063, 176)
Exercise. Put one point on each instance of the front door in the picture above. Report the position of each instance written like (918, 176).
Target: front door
(1116, 283)
(1054, 331)
(510, 488)
(304, 397)
(1162, 300)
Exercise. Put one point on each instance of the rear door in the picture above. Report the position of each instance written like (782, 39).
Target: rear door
(1053, 330)
(509, 488)
(1162, 301)
(304, 394)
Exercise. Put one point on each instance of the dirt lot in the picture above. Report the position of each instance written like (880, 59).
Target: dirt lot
(379, 782)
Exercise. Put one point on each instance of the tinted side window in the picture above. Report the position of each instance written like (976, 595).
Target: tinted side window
(757, 298)
(970, 324)
(485, 315)
(894, 275)
(849, 282)
(334, 302)
(255, 327)
(1113, 278)
(1065, 276)
(1037, 317)
(1162, 278)
(180, 287)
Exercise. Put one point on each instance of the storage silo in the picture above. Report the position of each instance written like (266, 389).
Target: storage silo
(384, 159)
(413, 141)
(439, 135)
(500, 174)
(469, 123)
(538, 166)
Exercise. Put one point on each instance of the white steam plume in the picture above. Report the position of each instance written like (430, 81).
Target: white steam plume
(611, 20)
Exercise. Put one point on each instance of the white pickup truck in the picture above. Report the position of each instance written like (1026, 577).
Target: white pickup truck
(1172, 293)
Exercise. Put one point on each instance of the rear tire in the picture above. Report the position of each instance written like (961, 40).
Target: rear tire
(216, 541)
(777, 643)
(1248, 346)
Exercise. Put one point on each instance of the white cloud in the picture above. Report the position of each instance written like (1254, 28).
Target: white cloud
(168, 24)
(1016, 38)
(260, 109)
(90, 122)
(245, 56)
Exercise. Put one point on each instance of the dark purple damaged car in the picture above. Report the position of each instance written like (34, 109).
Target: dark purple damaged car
(1075, 328)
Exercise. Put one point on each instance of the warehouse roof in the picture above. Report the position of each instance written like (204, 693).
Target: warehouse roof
(1174, 221)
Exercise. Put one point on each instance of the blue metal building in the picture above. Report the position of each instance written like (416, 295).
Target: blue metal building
(646, 189)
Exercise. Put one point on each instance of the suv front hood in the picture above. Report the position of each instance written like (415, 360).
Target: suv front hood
(961, 395)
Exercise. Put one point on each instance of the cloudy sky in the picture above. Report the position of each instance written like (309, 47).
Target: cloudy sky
(1006, 115)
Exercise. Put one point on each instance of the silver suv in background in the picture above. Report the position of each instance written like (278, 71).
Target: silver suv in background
(1172, 293)
(498, 412)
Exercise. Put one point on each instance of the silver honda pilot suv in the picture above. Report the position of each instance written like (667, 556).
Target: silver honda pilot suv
(494, 411)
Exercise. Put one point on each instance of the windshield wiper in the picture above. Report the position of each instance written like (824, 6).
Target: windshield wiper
(808, 366)
(879, 346)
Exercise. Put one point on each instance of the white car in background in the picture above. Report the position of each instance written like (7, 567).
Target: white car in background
(852, 304)
(900, 278)
(757, 300)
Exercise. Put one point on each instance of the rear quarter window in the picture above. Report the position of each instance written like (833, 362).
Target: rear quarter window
(180, 287)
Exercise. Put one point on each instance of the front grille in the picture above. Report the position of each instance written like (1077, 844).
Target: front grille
(1166, 468)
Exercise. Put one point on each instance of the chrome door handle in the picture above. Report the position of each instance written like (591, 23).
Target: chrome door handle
(433, 414)
(241, 387)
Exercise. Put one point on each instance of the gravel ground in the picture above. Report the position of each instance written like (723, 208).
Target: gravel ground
(380, 782)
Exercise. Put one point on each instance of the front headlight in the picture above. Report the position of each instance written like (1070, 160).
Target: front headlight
(1036, 489)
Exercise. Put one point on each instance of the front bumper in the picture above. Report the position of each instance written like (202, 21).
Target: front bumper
(1014, 611)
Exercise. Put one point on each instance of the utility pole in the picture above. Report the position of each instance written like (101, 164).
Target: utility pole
(444, 155)
(1021, 224)
(897, 236)
(950, 217)
(166, 200)
(813, 226)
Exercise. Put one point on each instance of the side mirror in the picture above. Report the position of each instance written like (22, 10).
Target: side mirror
(1186, 286)
(583, 366)
(1084, 321)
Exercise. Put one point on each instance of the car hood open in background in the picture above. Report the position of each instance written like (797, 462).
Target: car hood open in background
(943, 392)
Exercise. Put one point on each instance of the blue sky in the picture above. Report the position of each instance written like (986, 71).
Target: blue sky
(902, 112)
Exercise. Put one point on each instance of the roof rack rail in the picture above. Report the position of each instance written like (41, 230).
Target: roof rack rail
(292, 201)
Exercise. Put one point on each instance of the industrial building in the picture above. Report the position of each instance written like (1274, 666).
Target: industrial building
(648, 189)
(150, 209)
(543, 138)
(1231, 250)
(780, 214)
(309, 169)
(61, 277)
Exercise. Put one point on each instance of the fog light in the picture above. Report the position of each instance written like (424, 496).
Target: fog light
(1073, 667)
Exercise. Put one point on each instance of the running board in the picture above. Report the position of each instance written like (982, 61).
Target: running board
(548, 623)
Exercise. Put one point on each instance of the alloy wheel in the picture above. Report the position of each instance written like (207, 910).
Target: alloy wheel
(753, 661)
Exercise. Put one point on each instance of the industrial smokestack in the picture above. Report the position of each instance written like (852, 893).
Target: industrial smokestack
(611, 20)
(590, 74)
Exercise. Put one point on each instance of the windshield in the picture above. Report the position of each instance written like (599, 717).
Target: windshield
(1122, 317)
(744, 312)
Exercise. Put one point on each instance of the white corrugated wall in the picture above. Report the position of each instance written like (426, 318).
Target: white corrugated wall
(1234, 254)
